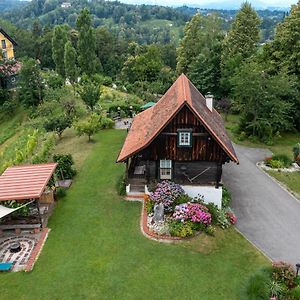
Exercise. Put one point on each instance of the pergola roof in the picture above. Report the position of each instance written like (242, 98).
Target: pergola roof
(25, 182)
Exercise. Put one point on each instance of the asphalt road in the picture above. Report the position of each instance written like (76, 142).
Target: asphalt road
(268, 216)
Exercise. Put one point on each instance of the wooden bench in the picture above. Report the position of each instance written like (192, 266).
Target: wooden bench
(19, 227)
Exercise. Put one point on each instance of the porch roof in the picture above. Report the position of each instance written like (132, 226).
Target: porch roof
(25, 182)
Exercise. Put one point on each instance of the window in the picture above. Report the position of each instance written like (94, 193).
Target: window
(3, 44)
(4, 53)
(165, 169)
(184, 138)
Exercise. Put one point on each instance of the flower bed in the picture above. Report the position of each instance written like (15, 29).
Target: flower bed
(185, 216)
(276, 282)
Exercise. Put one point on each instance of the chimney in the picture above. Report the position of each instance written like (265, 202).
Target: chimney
(209, 101)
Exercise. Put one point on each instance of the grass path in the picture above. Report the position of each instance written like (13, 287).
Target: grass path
(96, 250)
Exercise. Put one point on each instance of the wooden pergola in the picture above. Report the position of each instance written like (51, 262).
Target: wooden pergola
(26, 183)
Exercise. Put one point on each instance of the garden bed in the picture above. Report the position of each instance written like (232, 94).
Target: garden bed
(169, 213)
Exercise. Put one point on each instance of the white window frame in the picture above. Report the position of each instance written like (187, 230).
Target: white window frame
(165, 169)
(184, 139)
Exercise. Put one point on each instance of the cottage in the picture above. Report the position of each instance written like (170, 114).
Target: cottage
(181, 138)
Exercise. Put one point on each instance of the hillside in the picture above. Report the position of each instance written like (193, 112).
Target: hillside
(145, 24)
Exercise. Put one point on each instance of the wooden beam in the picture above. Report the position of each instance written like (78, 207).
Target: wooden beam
(204, 134)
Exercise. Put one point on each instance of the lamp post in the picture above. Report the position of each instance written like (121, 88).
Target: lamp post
(297, 268)
(130, 111)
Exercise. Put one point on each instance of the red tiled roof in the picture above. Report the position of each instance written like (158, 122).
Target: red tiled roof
(25, 182)
(149, 123)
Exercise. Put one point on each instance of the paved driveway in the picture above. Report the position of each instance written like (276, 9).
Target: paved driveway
(267, 215)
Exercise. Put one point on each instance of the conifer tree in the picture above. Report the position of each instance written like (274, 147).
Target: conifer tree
(59, 40)
(239, 44)
(70, 61)
(86, 43)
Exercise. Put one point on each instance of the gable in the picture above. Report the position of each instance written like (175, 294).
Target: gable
(203, 146)
(10, 40)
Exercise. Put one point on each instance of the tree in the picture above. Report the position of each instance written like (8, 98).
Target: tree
(240, 42)
(143, 67)
(264, 100)
(36, 33)
(59, 40)
(70, 60)
(58, 124)
(283, 55)
(31, 90)
(189, 45)
(90, 94)
(89, 127)
(86, 43)
(199, 53)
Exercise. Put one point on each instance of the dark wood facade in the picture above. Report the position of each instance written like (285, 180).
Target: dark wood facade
(200, 163)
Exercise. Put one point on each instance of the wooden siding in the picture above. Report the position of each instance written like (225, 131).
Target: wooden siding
(204, 147)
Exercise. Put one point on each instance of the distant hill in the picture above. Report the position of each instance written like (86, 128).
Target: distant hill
(6, 5)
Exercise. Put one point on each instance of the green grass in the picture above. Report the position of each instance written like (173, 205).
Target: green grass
(10, 125)
(95, 249)
(291, 180)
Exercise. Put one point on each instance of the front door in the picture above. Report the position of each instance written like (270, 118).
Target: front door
(165, 167)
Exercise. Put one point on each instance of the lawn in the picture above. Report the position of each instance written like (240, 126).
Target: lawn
(95, 249)
(291, 180)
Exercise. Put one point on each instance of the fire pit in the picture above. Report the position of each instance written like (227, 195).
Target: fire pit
(15, 247)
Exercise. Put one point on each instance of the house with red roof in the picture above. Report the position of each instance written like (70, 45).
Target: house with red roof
(181, 138)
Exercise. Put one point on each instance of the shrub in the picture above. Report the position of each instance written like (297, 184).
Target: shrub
(226, 197)
(295, 293)
(296, 151)
(121, 186)
(275, 164)
(284, 273)
(180, 229)
(184, 198)
(64, 169)
(214, 212)
(231, 216)
(166, 192)
(194, 212)
(150, 206)
(277, 289)
(61, 192)
(210, 230)
(283, 158)
(257, 287)
(223, 219)
(107, 123)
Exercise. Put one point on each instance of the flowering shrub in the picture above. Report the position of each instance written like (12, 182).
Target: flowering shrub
(194, 212)
(284, 273)
(231, 217)
(166, 192)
